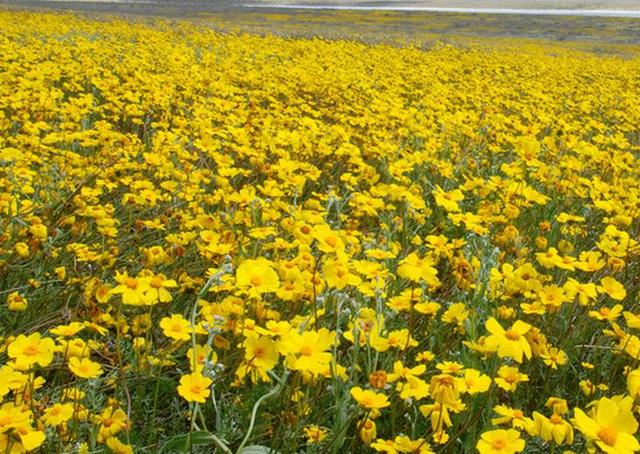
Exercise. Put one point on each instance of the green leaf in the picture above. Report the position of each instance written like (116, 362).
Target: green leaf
(257, 449)
(180, 443)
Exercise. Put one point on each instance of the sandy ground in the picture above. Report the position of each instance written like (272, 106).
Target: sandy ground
(497, 4)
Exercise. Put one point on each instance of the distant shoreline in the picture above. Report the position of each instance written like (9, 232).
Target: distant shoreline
(516, 11)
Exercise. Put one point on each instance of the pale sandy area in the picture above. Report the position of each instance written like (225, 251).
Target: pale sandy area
(498, 4)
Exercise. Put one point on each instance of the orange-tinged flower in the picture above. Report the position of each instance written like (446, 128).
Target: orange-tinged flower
(367, 432)
(16, 302)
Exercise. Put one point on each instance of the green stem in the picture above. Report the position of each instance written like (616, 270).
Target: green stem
(275, 390)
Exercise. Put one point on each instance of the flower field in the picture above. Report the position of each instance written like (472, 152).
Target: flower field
(232, 243)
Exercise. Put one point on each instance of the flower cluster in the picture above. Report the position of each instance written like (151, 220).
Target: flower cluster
(210, 239)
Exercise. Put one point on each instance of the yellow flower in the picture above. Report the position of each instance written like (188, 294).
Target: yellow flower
(157, 289)
(176, 327)
(509, 377)
(507, 415)
(328, 240)
(22, 249)
(367, 431)
(29, 438)
(444, 388)
(553, 428)
(198, 357)
(510, 343)
(607, 313)
(111, 421)
(61, 272)
(117, 447)
(133, 290)
(558, 405)
(194, 387)
(29, 350)
(473, 382)
(633, 383)
(400, 371)
(448, 200)
(261, 352)
(308, 351)
(57, 414)
(84, 368)
(369, 399)
(610, 424)
(613, 288)
(314, 434)
(587, 387)
(413, 388)
(257, 277)
(69, 330)
(500, 442)
(415, 269)
(16, 302)
(456, 313)
(338, 275)
(553, 357)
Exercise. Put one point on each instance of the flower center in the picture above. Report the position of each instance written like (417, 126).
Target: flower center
(499, 443)
(256, 280)
(306, 351)
(31, 350)
(608, 435)
(156, 282)
(131, 283)
(512, 335)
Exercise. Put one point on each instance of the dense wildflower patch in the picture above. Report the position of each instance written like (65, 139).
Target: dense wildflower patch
(210, 241)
